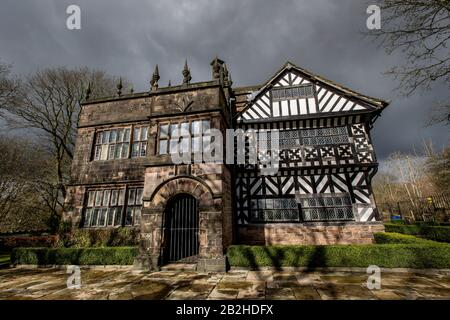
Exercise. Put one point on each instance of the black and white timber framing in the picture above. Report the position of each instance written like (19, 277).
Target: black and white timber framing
(326, 156)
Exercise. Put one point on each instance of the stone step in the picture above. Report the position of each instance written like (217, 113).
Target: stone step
(179, 267)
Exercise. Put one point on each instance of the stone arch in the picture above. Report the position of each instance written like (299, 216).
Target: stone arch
(182, 184)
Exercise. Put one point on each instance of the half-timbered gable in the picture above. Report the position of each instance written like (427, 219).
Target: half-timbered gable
(295, 92)
(326, 159)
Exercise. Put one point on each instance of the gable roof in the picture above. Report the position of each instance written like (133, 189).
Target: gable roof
(333, 97)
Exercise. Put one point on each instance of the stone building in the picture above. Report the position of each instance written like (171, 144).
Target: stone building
(124, 173)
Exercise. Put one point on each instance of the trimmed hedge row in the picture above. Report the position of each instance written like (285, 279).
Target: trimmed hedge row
(74, 256)
(436, 233)
(416, 256)
(393, 237)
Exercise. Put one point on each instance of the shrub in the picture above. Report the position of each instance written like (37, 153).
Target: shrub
(384, 255)
(75, 256)
(393, 237)
(437, 233)
(111, 237)
(9, 242)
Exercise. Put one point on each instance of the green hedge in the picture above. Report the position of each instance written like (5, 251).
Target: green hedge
(393, 237)
(383, 255)
(437, 233)
(75, 256)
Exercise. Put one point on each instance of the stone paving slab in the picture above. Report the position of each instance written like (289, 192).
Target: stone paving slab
(124, 284)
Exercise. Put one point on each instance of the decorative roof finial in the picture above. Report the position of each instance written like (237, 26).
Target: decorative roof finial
(119, 87)
(88, 92)
(131, 89)
(155, 78)
(169, 84)
(186, 73)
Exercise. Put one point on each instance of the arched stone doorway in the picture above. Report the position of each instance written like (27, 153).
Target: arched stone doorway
(181, 229)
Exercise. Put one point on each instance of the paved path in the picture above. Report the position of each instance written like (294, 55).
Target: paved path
(25, 283)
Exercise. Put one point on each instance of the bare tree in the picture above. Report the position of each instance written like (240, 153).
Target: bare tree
(48, 104)
(420, 29)
(22, 167)
(9, 87)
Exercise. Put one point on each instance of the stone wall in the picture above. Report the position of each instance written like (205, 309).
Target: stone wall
(309, 233)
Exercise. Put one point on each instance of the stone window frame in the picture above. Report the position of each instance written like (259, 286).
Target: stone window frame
(193, 135)
(95, 200)
(126, 140)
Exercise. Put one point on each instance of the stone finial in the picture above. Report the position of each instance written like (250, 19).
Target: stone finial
(87, 93)
(186, 73)
(169, 84)
(119, 87)
(217, 68)
(155, 79)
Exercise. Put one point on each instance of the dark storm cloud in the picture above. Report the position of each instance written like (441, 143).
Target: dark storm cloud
(255, 38)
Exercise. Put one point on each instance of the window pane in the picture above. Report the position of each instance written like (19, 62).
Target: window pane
(98, 198)
(121, 196)
(91, 198)
(118, 217)
(205, 125)
(125, 147)
(196, 127)
(129, 217)
(106, 195)
(117, 151)
(111, 152)
(131, 196)
(174, 130)
(94, 218)
(144, 132)
(114, 196)
(164, 132)
(126, 137)
(113, 136)
(120, 135)
(196, 144)
(139, 192)
(136, 134)
(104, 154)
(99, 138)
(143, 149)
(110, 216)
(98, 151)
(135, 150)
(102, 217)
(184, 145)
(137, 216)
(105, 137)
(87, 218)
(173, 145)
(162, 146)
(184, 128)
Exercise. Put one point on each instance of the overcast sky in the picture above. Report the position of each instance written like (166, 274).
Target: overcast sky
(254, 37)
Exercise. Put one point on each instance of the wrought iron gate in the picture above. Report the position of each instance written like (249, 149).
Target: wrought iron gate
(181, 229)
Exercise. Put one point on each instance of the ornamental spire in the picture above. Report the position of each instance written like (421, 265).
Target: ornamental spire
(155, 79)
(186, 73)
(119, 87)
